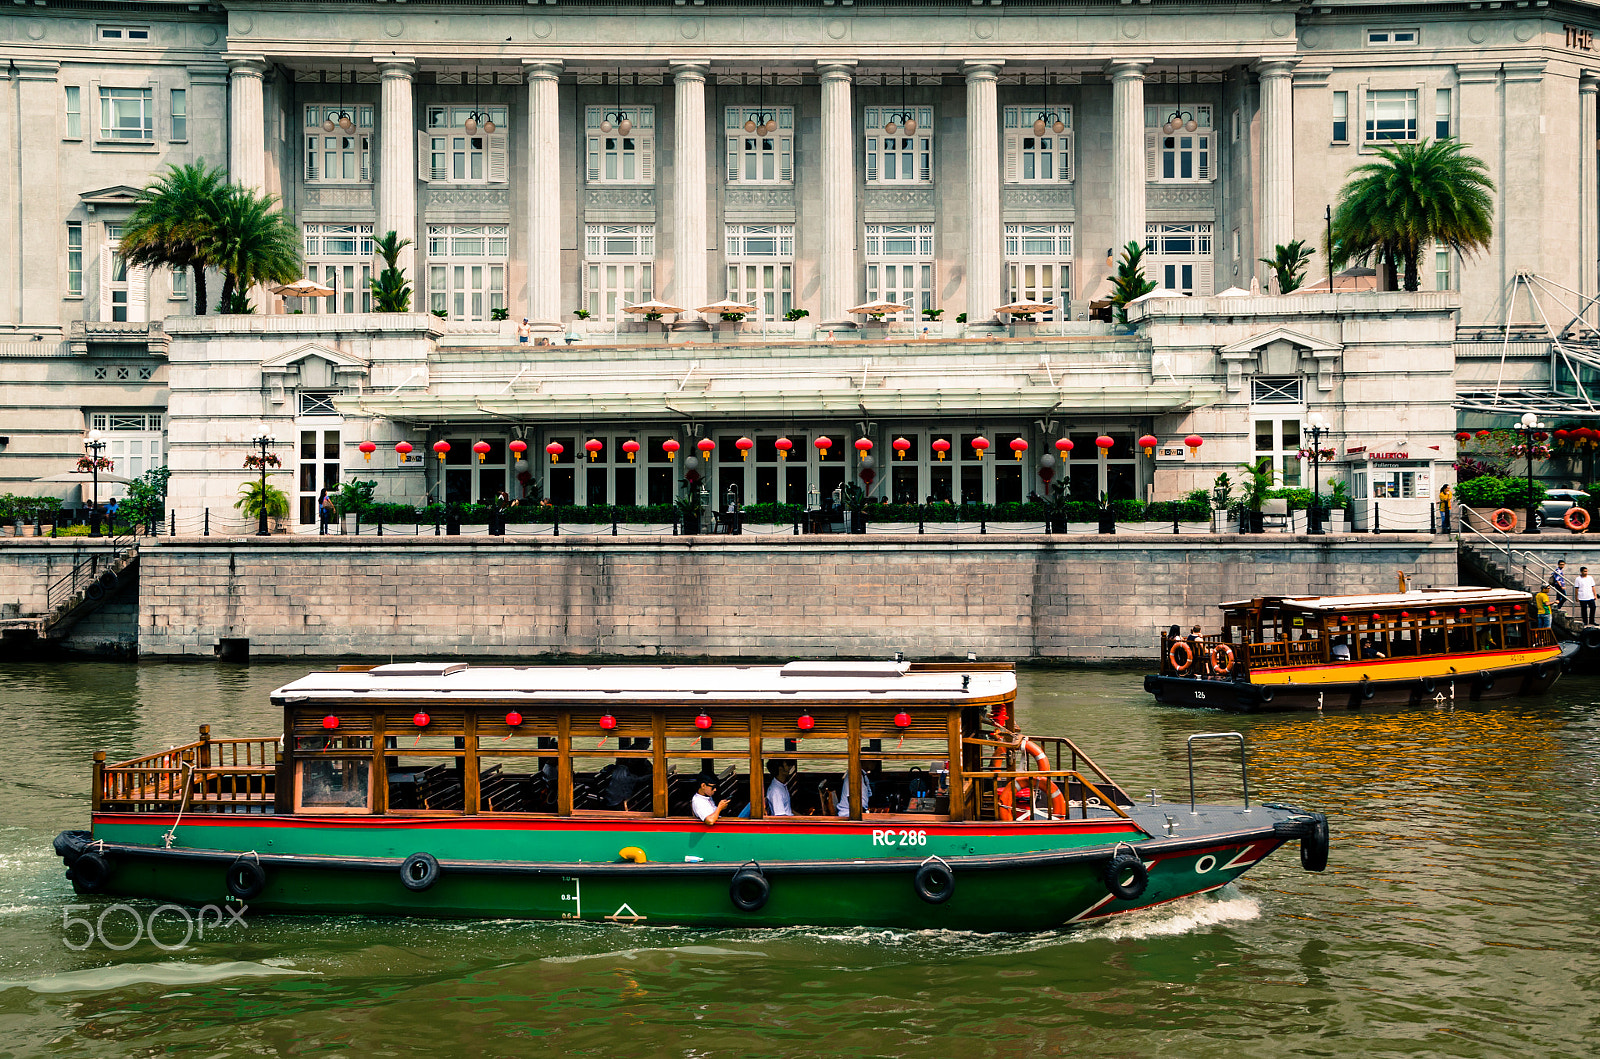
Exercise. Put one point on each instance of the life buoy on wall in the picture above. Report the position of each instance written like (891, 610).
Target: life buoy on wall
(1222, 658)
(1503, 519)
(1180, 647)
(1576, 519)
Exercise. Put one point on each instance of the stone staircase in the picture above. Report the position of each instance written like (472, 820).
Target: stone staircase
(88, 585)
(1520, 572)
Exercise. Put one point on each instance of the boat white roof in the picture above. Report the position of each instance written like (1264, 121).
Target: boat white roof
(812, 681)
(1427, 597)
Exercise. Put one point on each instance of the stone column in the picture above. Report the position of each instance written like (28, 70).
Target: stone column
(247, 123)
(839, 281)
(690, 231)
(544, 194)
(1127, 152)
(1277, 158)
(984, 259)
(1588, 251)
(397, 165)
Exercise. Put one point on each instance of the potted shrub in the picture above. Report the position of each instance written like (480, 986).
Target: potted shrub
(256, 495)
(1221, 502)
(854, 499)
(1108, 517)
(1257, 483)
(1338, 505)
(689, 508)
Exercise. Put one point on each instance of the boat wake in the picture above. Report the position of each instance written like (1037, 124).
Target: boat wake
(120, 976)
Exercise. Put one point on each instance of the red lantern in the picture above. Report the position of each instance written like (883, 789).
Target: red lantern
(1344, 617)
(482, 449)
(607, 721)
(702, 722)
(1018, 446)
(1377, 617)
(1148, 444)
(1463, 610)
(330, 722)
(554, 451)
(631, 447)
(593, 447)
(863, 446)
(440, 448)
(518, 447)
(902, 720)
(805, 722)
(420, 720)
(1463, 437)
(1517, 607)
(783, 445)
(901, 445)
(980, 445)
(744, 445)
(705, 445)
(1104, 443)
(670, 447)
(1194, 441)
(1064, 446)
(1405, 614)
(1491, 610)
(1433, 614)
(823, 444)
(403, 448)
(367, 449)
(941, 446)
(513, 719)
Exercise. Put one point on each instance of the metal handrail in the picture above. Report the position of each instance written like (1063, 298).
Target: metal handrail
(1518, 561)
(86, 571)
(1244, 775)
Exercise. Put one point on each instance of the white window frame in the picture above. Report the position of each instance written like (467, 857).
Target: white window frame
(124, 34)
(448, 154)
(1039, 265)
(900, 262)
(1444, 271)
(178, 115)
(72, 104)
(1341, 117)
(1443, 114)
(1403, 37)
(467, 268)
(612, 158)
(761, 267)
(1372, 98)
(111, 125)
(1029, 157)
(1179, 256)
(74, 259)
(895, 154)
(1285, 456)
(178, 285)
(618, 268)
(340, 256)
(352, 150)
(755, 157)
(124, 299)
(1172, 153)
(135, 443)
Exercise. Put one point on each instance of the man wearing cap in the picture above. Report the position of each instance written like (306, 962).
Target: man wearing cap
(702, 804)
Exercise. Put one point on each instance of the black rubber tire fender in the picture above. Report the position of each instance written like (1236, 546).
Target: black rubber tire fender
(95, 590)
(90, 872)
(246, 878)
(749, 890)
(1426, 685)
(935, 882)
(1540, 670)
(1264, 694)
(420, 871)
(1366, 689)
(1314, 846)
(1590, 638)
(1126, 876)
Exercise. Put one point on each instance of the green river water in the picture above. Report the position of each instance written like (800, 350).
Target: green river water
(1457, 918)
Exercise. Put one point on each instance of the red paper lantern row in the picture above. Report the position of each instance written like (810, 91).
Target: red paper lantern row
(367, 449)
(421, 720)
(630, 447)
(593, 447)
(805, 722)
(670, 447)
(1148, 444)
(403, 448)
(1018, 447)
(901, 445)
(744, 445)
(783, 445)
(441, 449)
(941, 446)
(607, 721)
(482, 449)
(823, 444)
(330, 722)
(518, 447)
(902, 720)
(513, 719)
(703, 722)
(554, 451)
(1104, 443)
(1491, 610)
(1194, 441)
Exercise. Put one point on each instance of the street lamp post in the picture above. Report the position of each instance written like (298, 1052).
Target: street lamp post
(262, 443)
(1529, 426)
(94, 446)
(1317, 429)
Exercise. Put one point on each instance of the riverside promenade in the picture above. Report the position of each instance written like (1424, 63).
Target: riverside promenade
(1004, 596)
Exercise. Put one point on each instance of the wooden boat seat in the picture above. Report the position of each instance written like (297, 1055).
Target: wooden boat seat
(438, 788)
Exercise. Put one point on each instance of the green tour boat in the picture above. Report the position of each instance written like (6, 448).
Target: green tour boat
(684, 795)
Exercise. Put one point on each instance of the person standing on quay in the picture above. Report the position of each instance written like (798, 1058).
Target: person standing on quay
(1585, 586)
(1558, 581)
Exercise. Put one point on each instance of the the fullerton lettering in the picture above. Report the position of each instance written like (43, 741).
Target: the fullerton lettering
(1581, 39)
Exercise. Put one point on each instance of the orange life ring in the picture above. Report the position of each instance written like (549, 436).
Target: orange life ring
(1576, 519)
(1503, 519)
(1222, 658)
(1188, 655)
(1006, 796)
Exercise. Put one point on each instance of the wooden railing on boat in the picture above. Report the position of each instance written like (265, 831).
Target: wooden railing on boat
(216, 775)
(980, 787)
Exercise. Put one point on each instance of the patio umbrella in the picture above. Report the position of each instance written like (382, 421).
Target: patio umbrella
(878, 307)
(1159, 292)
(304, 288)
(1025, 307)
(84, 478)
(653, 307)
(727, 305)
(1358, 278)
(1233, 292)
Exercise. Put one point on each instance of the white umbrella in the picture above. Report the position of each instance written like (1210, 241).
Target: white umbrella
(727, 305)
(304, 288)
(84, 478)
(653, 307)
(878, 307)
(1159, 292)
(1233, 292)
(1024, 308)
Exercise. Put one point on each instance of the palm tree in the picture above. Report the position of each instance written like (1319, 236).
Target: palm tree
(1417, 194)
(1289, 263)
(390, 291)
(1129, 282)
(251, 241)
(170, 224)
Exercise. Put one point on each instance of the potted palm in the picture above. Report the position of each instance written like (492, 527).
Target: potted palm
(1257, 482)
(1108, 516)
(258, 494)
(1221, 500)
(854, 499)
(690, 508)
(391, 293)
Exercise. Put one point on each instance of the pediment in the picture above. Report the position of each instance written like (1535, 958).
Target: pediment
(1267, 339)
(117, 195)
(292, 359)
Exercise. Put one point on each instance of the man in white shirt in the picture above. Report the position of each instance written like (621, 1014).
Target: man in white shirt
(778, 789)
(844, 794)
(1585, 586)
(703, 805)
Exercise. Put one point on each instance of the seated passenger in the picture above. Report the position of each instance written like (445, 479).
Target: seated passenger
(704, 808)
(844, 794)
(778, 788)
(1369, 649)
(1341, 652)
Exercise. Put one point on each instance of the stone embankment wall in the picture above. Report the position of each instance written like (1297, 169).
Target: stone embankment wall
(1006, 597)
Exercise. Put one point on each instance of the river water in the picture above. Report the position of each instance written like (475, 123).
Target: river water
(1458, 915)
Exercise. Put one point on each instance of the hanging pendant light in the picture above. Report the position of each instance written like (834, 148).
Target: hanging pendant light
(470, 126)
(327, 119)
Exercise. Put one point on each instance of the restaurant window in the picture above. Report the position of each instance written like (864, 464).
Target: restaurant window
(660, 471)
(338, 156)
(1035, 156)
(467, 269)
(900, 263)
(615, 157)
(619, 268)
(448, 154)
(759, 157)
(897, 157)
(127, 114)
(339, 256)
(1039, 265)
(761, 267)
(469, 480)
(1091, 472)
(1182, 156)
(1391, 115)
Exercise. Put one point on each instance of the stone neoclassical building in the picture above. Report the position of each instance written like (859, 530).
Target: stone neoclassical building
(563, 160)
